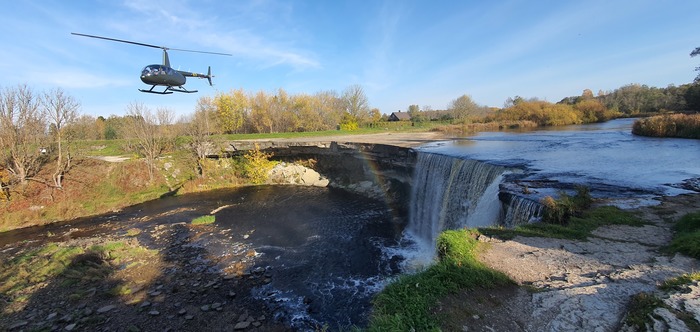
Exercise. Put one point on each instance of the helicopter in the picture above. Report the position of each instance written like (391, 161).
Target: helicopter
(163, 74)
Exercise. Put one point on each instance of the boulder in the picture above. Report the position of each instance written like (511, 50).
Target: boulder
(284, 173)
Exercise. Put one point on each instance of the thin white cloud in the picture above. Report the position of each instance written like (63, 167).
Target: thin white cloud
(242, 38)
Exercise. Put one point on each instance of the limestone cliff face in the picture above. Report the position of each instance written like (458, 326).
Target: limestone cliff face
(374, 170)
(386, 172)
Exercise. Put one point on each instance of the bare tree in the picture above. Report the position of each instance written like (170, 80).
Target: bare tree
(199, 127)
(22, 133)
(153, 132)
(356, 102)
(61, 110)
(330, 108)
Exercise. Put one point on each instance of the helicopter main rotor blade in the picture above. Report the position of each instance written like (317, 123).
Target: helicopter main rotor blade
(182, 50)
(147, 45)
(120, 40)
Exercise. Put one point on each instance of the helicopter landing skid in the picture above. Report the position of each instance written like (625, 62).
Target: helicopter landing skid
(180, 89)
(168, 90)
(165, 92)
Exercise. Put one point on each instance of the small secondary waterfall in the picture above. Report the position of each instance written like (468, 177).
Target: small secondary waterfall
(519, 210)
(451, 193)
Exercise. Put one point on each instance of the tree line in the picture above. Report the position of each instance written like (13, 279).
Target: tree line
(238, 111)
(35, 127)
(628, 101)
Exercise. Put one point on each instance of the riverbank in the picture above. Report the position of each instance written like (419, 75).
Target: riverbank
(568, 285)
(169, 283)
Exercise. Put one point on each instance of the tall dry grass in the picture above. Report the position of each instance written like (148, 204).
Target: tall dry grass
(671, 125)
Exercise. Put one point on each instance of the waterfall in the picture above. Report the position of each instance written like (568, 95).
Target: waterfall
(520, 210)
(452, 193)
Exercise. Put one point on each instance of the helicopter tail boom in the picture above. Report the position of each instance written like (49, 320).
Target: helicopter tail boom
(188, 74)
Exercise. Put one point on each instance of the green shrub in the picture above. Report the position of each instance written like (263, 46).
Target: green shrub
(681, 282)
(640, 310)
(688, 223)
(256, 165)
(559, 211)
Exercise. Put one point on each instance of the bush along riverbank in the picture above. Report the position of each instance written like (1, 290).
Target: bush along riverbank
(672, 125)
(601, 270)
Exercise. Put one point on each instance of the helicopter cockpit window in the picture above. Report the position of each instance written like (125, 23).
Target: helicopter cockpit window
(155, 70)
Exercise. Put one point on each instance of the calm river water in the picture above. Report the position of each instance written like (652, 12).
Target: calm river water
(605, 156)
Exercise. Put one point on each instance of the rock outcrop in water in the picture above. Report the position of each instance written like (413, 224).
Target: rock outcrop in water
(285, 173)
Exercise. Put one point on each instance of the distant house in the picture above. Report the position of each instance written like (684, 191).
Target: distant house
(399, 116)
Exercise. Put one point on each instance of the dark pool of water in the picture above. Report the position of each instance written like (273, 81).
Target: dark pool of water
(322, 250)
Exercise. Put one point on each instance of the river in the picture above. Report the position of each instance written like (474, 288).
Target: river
(595, 155)
(326, 252)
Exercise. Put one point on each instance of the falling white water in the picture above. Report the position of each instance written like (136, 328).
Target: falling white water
(452, 193)
(522, 211)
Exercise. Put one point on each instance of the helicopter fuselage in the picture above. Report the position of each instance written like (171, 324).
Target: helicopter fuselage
(162, 75)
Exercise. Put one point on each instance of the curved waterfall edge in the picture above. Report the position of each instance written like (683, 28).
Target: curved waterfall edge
(452, 193)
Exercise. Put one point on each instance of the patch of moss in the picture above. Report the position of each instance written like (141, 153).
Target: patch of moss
(687, 236)
(681, 282)
(640, 310)
(204, 220)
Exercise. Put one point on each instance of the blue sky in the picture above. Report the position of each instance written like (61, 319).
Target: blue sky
(400, 52)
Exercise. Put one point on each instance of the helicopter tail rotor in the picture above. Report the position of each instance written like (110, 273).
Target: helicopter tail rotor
(209, 75)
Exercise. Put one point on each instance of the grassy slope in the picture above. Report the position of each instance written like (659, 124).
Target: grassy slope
(405, 304)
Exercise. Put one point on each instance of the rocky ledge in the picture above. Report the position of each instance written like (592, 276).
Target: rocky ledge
(568, 285)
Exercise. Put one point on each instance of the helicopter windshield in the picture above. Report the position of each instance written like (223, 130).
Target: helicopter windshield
(154, 70)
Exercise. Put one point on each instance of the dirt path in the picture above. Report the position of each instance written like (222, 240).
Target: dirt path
(401, 139)
(580, 285)
(112, 159)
